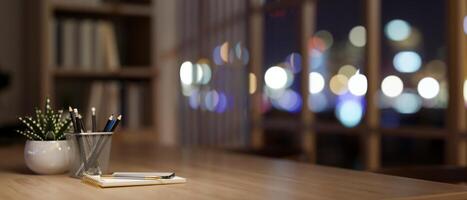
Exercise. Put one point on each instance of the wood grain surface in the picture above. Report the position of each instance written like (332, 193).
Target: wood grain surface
(217, 174)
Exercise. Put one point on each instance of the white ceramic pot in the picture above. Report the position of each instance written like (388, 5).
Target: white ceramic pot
(47, 157)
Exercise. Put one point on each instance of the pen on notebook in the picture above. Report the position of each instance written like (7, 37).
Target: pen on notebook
(144, 175)
(114, 126)
(94, 120)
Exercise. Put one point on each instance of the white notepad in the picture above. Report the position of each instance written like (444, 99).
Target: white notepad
(117, 182)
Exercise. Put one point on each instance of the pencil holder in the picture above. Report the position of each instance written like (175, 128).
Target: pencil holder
(90, 151)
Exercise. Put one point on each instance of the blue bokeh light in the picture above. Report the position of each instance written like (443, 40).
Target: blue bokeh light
(407, 61)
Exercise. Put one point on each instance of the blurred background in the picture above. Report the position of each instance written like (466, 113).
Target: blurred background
(359, 84)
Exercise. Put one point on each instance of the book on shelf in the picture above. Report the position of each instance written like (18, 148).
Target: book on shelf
(85, 46)
(92, 45)
(69, 43)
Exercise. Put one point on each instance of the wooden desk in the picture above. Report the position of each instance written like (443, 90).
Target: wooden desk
(218, 175)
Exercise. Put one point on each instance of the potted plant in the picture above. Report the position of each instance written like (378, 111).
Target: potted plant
(46, 150)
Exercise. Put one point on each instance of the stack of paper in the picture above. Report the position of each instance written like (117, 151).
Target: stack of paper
(120, 182)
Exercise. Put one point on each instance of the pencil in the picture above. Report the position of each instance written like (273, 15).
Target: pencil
(114, 126)
(94, 120)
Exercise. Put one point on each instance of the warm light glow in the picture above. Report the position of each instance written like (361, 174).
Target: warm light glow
(397, 30)
(392, 86)
(252, 85)
(338, 84)
(275, 77)
(349, 112)
(315, 82)
(225, 51)
(347, 70)
(358, 84)
(407, 103)
(407, 61)
(357, 36)
(428, 88)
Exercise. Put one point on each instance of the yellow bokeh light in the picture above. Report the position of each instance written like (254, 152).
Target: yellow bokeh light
(357, 36)
(338, 84)
(347, 70)
(252, 85)
(225, 51)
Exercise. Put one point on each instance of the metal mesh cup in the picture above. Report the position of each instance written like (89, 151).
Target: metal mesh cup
(91, 152)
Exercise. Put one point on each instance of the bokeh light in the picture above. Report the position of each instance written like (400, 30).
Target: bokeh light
(465, 24)
(225, 51)
(407, 61)
(190, 74)
(465, 91)
(338, 84)
(241, 53)
(276, 77)
(322, 40)
(397, 30)
(252, 85)
(358, 84)
(194, 100)
(349, 112)
(211, 100)
(347, 70)
(290, 101)
(186, 76)
(216, 56)
(316, 82)
(357, 36)
(317, 58)
(293, 62)
(222, 103)
(436, 68)
(407, 103)
(428, 88)
(273, 93)
(206, 73)
(317, 102)
(392, 86)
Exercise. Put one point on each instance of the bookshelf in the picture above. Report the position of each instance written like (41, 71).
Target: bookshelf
(119, 57)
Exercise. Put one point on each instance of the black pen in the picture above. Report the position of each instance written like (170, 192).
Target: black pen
(114, 126)
(109, 123)
(73, 119)
(81, 124)
(94, 120)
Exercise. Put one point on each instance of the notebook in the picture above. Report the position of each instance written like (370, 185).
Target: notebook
(122, 182)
